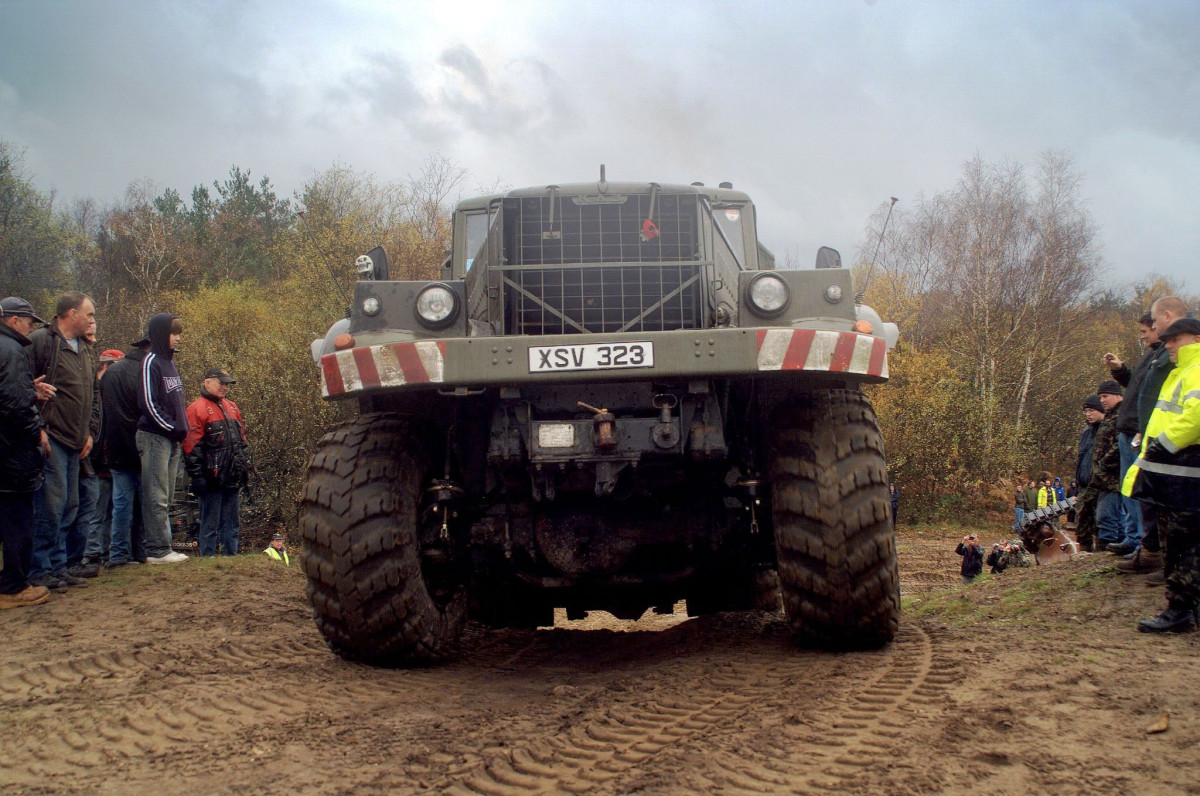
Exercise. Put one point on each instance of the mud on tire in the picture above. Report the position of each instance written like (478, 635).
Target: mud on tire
(833, 527)
(359, 519)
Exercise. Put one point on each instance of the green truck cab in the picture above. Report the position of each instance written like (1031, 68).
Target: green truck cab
(611, 400)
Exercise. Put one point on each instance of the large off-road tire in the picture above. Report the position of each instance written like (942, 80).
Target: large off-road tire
(360, 519)
(833, 527)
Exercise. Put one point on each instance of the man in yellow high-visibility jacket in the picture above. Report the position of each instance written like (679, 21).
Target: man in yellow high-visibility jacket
(276, 551)
(1167, 474)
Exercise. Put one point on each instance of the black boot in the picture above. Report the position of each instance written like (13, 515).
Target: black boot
(1172, 620)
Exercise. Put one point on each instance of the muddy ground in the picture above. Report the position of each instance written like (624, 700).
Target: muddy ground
(209, 677)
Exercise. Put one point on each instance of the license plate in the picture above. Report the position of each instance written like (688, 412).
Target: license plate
(591, 356)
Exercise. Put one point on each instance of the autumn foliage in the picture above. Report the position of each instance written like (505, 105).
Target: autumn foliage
(997, 286)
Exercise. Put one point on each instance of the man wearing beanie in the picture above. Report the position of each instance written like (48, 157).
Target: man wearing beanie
(1085, 525)
(1106, 473)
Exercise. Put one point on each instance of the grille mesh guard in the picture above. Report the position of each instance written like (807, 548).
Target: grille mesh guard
(645, 297)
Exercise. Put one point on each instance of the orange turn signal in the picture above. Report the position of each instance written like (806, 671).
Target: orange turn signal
(345, 340)
(862, 327)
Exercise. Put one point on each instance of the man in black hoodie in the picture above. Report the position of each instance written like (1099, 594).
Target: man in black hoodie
(118, 434)
(162, 426)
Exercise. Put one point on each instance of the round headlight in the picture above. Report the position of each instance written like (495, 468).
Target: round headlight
(370, 305)
(768, 295)
(833, 294)
(437, 306)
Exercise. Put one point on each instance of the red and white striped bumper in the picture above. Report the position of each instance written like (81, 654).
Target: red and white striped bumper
(810, 349)
(389, 365)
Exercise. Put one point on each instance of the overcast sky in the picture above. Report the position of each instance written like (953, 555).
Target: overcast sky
(820, 110)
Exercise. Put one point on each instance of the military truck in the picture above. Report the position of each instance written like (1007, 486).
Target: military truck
(611, 400)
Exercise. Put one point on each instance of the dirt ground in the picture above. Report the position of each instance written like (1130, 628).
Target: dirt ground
(210, 678)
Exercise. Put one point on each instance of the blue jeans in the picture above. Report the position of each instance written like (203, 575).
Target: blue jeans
(77, 531)
(1133, 514)
(160, 462)
(1109, 523)
(99, 537)
(1020, 517)
(219, 522)
(125, 487)
(55, 506)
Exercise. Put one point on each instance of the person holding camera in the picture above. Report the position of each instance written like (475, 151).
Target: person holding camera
(996, 559)
(217, 458)
(1015, 555)
(972, 557)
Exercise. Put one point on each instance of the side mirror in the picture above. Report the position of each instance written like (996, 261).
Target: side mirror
(828, 258)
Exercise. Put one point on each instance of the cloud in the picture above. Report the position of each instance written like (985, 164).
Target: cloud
(821, 111)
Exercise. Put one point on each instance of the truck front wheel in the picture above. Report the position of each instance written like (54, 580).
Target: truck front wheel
(377, 594)
(833, 529)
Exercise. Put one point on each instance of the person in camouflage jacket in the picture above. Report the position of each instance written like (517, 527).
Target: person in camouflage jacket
(1015, 555)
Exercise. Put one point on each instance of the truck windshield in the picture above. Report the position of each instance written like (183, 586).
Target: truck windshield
(728, 218)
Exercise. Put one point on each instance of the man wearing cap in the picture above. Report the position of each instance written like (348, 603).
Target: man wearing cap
(1167, 474)
(1085, 508)
(1106, 472)
(59, 353)
(276, 551)
(119, 399)
(217, 458)
(23, 441)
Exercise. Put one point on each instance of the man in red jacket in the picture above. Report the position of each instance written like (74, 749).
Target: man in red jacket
(217, 459)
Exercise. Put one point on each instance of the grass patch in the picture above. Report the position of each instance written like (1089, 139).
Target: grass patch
(1055, 594)
(203, 571)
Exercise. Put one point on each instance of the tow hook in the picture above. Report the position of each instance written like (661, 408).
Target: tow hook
(604, 427)
(444, 492)
(665, 432)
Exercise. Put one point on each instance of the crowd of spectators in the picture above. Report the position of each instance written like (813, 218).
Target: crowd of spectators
(91, 443)
(1137, 476)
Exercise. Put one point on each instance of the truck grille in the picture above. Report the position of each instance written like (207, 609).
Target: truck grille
(630, 298)
(552, 230)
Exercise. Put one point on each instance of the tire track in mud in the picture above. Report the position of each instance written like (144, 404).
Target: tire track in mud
(144, 704)
(616, 741)
(138, 705)
(20, 684)
(850, 737)
(158, 706)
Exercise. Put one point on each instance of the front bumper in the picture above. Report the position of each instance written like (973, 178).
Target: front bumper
(477, 362)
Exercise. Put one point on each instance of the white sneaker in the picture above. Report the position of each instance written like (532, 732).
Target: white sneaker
(172, 557)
